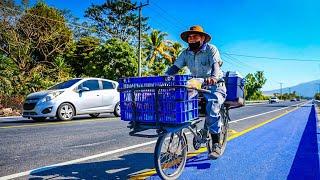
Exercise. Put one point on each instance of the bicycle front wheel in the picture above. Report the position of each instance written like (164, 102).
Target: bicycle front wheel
(170, 155)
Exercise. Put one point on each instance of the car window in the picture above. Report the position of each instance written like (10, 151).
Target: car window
(107, 85)
(65, 84)
(91, 84)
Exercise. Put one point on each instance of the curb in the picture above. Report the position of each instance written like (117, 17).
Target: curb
(10, 117)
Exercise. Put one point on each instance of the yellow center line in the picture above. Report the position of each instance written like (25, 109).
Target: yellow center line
(57, 123)
(233, 135)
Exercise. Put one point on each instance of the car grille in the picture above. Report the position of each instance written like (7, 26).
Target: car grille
(30, 103)
(29, 106)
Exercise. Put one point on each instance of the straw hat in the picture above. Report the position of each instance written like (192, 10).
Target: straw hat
(195, 30)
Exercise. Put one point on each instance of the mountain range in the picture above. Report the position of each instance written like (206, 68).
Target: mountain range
(307, 89)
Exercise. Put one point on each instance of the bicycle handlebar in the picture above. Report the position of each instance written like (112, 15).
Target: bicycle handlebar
(203, 90)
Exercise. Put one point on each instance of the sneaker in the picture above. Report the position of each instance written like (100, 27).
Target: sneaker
(215, 151)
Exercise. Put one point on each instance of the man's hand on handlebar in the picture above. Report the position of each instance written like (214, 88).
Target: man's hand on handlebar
(211, 81)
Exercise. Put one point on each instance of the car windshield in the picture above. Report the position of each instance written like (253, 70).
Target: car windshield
(65, 84)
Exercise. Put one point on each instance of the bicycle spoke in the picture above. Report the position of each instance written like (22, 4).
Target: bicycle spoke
(161, 157)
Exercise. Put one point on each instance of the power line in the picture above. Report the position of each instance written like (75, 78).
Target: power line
(225, 53)
(273, 58)
(34, 15)
(232, 63)
(170, 16)
(244, 64)
(172, 24)
(226, 59)
(166, 26)
(79, 26)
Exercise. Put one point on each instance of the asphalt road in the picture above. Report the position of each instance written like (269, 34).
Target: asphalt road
(287, 148)
(100, 148)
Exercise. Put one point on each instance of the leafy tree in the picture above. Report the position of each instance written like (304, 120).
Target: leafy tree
(8, 71)
(80, 53)
(32, 41)
(158, 68)
(113, 60)
(254, 83)
(116, 19)
(175, 50)
(288, 95)
(317, 96)
(79, 29)
(50, 36)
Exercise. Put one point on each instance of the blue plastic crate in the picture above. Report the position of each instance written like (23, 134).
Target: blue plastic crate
(235, 89)
(174, 106)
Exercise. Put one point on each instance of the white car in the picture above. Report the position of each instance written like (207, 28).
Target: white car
(74, 97)
(274, 100)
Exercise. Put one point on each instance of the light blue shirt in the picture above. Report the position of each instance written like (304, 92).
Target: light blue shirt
(200, 63)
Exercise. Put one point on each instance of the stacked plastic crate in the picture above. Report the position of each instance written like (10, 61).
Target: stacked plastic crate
(173, 105)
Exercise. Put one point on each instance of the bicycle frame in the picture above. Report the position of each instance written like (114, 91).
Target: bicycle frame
(163, 130)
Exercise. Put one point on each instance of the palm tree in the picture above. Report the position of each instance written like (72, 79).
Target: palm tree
(156, 46)
(175, 50)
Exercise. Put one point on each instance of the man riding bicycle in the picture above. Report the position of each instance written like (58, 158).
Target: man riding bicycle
(203, 61)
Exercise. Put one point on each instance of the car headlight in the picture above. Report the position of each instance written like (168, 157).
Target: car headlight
(52, 95)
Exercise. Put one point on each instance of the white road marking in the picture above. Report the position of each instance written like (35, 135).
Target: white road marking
(41, 169)
(26, 173)
(249, 117)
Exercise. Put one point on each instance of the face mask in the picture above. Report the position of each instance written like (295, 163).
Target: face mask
(194, 46)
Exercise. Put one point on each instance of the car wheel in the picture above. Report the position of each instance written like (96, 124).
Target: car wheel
(38, 119)
(94, 115)
(65, 112)
(116, 111)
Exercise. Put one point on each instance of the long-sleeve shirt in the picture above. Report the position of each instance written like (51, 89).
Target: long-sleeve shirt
(202, 64)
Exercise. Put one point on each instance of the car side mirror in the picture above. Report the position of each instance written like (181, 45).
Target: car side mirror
(83, 89)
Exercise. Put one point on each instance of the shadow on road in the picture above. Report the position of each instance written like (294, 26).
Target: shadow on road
(113, 169)
(200, 162)
(306, 161)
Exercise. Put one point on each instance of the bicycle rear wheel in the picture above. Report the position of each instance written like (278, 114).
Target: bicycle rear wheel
(170, 155)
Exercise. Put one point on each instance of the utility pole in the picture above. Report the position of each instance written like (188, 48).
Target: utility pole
(139, 26)
(140, 15)
(280, 89)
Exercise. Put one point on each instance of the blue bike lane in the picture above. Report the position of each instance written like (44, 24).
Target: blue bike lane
(287, 148)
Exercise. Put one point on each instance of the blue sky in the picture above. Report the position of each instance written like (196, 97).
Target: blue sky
(284, 29)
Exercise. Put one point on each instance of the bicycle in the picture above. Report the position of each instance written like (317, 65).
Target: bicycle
(171, 148)
(172, 168)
